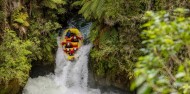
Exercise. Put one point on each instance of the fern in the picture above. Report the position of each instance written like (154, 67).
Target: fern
(58, 2)
(85, 7)
(100, 9)
(19, 20)
(95, 4)
(2, 15)
(61, 10)
(94, 31)
(20, 17)
(49, 4)
(14, 58)
(76, 3)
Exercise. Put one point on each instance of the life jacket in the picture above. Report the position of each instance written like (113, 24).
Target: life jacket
(68, 39)
(74, 44)
(75, 38)
(71, 52)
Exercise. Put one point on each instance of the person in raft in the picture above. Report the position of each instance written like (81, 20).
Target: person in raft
(68, 34)
(75, 38)
(69, 49)
(68, 45)
(67, 37)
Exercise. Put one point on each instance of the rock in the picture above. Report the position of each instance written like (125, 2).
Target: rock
(41, 69)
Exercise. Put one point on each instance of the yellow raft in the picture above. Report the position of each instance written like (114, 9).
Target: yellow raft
(75, 44)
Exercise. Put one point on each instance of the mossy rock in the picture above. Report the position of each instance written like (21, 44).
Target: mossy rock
(12, 87)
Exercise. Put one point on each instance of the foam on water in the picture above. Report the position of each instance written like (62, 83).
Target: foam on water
(69, 78)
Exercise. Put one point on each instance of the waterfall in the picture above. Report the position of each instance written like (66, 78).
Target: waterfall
(69, 78)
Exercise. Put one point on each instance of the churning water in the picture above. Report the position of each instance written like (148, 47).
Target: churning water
(69, 78)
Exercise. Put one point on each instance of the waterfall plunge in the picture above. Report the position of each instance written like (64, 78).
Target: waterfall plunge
(69, 78)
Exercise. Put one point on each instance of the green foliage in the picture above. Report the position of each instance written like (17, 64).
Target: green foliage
(1, 16)
(42, 29)
(14, 60)
(165, 66)
(54, 7)
(33, 38)
(168, 5)
(106, 57)
(53, 4)
(44, 37)
(94, 31)
(114, 34)
(20, 17)
(109, 10)
(124, 16)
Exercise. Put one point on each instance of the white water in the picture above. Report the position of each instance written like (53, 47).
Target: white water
(69, 78)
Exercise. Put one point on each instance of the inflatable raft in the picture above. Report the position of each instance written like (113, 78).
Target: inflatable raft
(71, 41)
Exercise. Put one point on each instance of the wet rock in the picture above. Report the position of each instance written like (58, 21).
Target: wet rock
(41, 69)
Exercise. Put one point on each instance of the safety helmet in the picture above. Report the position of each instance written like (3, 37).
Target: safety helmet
(75, 37)
(75, 49)
(68, 43)
(67, 49)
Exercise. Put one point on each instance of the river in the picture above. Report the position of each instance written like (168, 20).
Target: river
(69, 77)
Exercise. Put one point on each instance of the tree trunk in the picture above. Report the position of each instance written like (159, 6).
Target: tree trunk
(4, 9)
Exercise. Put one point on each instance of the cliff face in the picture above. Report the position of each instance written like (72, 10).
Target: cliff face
(112, 59)
(27, 34)
(116, 37)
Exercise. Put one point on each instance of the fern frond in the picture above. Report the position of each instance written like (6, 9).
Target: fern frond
(77, 3)
(19, 20)
(100, 9)
(59, 1)
(85, 7)
(94, 5)
(84, 1)
(94, 24)
(49, 4)
(61, 11)
(88, 13)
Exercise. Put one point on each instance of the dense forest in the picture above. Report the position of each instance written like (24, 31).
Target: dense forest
(138, 45)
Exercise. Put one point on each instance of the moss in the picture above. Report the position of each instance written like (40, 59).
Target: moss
(12, 87)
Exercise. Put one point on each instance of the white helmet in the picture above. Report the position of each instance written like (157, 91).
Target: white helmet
(68, 43)
(75, 37)
(75, 49)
